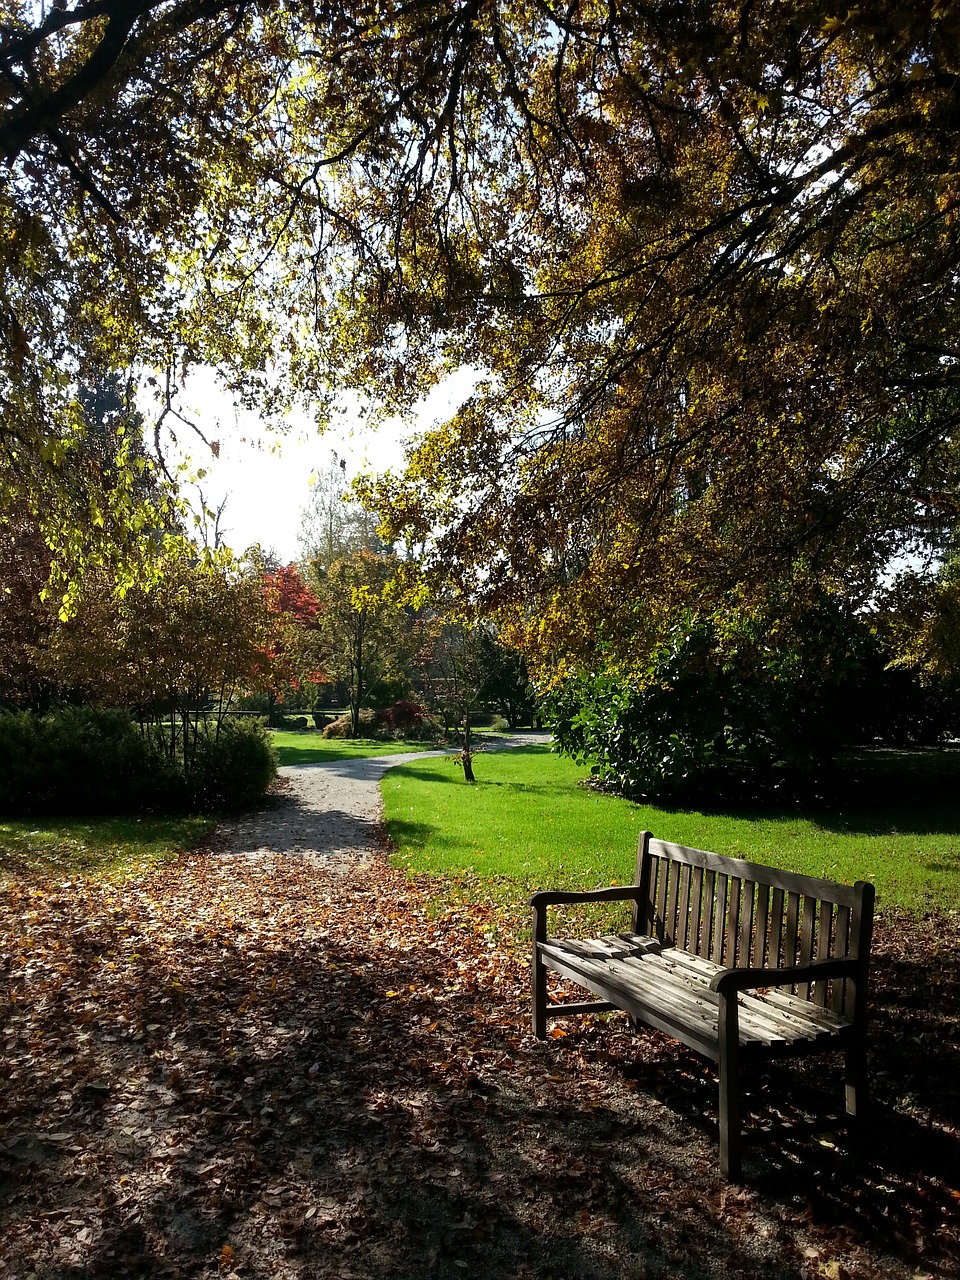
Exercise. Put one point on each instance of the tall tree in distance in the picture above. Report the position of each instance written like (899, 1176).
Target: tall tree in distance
(364, 623)
(297, 650)
(332, 525)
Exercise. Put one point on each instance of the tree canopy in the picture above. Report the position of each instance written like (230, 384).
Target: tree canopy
(703, 256)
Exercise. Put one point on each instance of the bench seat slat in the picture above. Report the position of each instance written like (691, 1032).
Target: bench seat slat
(807, 1015)
(665, 982)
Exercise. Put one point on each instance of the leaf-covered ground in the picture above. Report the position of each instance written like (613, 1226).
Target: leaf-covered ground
(252, 1067)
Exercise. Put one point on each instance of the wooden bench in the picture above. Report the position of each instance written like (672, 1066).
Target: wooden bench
(738, 961)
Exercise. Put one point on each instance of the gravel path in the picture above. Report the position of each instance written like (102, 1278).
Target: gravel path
(330, 813)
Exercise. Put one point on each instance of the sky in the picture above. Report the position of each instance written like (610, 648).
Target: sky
(265, 477)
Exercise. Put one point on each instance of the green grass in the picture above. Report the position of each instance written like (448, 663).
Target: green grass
(527, 825)
(105, 848)
(308, 747)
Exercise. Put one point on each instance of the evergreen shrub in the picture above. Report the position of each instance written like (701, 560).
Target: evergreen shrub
(80, 760)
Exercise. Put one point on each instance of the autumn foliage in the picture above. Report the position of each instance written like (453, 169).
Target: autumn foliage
(262, 1066)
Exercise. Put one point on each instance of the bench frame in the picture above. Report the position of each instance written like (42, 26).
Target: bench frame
(732, 927)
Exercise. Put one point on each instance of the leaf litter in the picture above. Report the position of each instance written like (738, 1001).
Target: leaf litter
(240, 1067)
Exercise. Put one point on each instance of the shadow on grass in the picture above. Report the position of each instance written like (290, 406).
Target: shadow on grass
(885, 819)
(327, 751)
(65, 846)
(418, 835)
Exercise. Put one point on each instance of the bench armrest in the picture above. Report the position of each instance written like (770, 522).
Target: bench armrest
(616, 893)
(815, 971)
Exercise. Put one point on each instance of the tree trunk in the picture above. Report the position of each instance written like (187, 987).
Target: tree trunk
(467, 756)
(356, 700)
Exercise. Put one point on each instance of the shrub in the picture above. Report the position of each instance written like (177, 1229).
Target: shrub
(292, 724)
(342, 727)
(79, 760)
(234, 769)
(710, 720)
(401, 719)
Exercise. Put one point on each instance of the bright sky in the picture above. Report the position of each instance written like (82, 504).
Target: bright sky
(266, 478)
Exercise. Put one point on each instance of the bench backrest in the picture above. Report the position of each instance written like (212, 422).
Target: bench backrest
(742, 915)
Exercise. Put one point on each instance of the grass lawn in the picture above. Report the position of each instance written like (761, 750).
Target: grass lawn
(98, 847)
(527, 825)
(308, 747)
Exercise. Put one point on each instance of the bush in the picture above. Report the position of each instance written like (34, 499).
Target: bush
(710, 721)
(342, 727)
(79, 760)
(232, 771)
(292, 724)
(401, 719)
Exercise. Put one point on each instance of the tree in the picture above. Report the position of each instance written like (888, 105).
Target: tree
(24, 618)
(706, 275)
(452, 662)
(332, 526)
(175, 651)
(297, 650)
(364, 623)
(704, 256)
(505, 680)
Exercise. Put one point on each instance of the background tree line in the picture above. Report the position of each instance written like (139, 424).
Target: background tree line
(702, 258)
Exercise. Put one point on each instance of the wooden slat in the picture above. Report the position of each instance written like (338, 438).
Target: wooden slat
(790, 930)
(673, 903)
(808, 930)
(663, 884)
(763, 903)
(576, 1007)
(651, 904)
(706, 924)
(805, 1009)
(775, 957)
(732, 939)
(841, 948)
(840, 894)
(809, 920)
(807, 1017)
(676, 984)
(746, 948)
(719, 917)
(640, 915)
(683, 908)
(780, 1022)
(824, 948)
(657, 1003)
(612, 946)
(696, 911)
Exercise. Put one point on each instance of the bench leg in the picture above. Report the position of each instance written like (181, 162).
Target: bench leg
(730, 1123)
(855, 1080)
(539, 974)
(539, 996)
(729, 1065)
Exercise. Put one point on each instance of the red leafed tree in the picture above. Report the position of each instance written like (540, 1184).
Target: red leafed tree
(296, 654)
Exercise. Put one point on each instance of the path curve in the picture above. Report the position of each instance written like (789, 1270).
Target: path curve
(330, 813)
